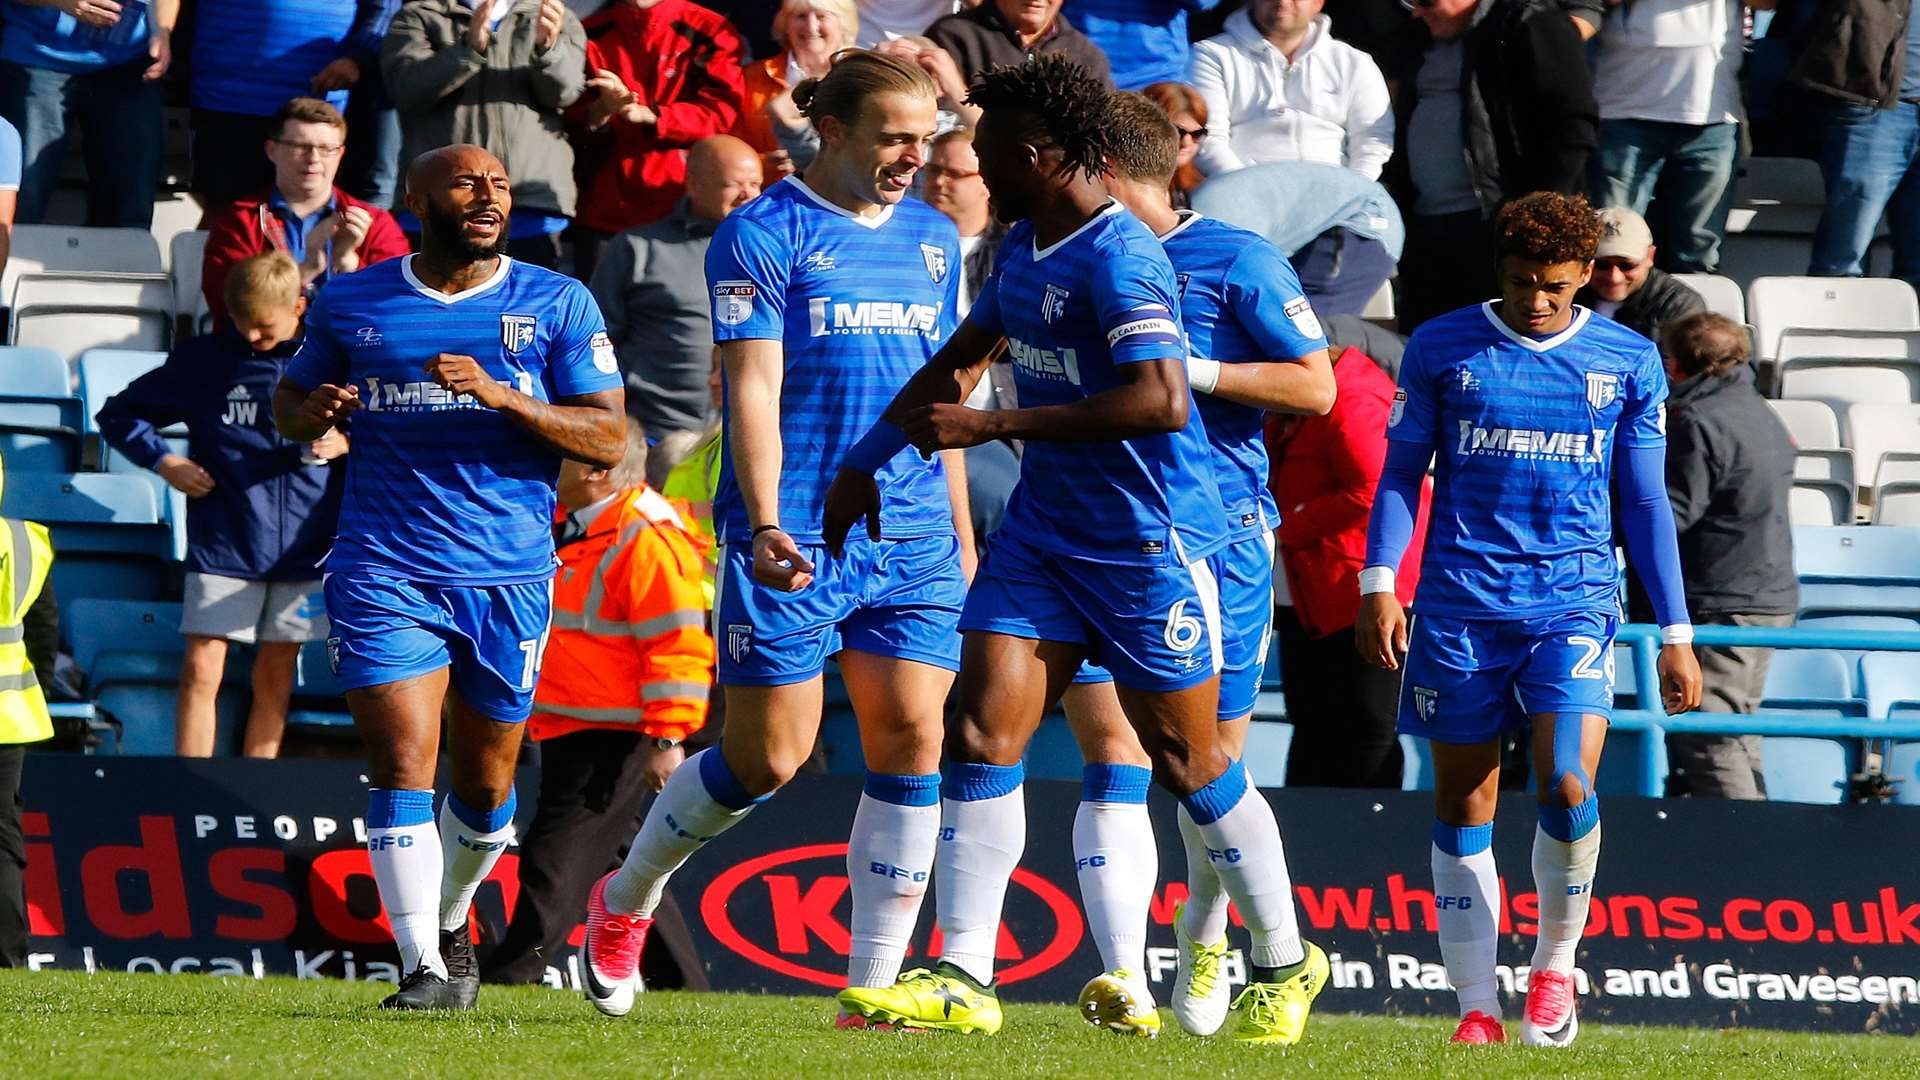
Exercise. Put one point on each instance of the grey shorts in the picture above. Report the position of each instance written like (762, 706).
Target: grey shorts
(246, 612)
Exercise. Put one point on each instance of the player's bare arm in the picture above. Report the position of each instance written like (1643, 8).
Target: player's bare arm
(585, 427)
(304, 415)
(755, 370)
(1304, 386)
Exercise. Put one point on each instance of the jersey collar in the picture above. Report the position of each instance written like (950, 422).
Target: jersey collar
(1187, 217)
(1113, 207)
(873, 221)
(499, 278)
(1580, 316)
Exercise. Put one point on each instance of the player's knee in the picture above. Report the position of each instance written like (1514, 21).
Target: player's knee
(971, 740)
(1565, 790)
(766, 774)
(1182, 772)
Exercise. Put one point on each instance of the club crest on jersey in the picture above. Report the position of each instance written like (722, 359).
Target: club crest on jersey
(516, 331)
(1425, 701)
(739, 641)
(732, 301)
(1602, 389)
(936, 260)
(1180, 285)
(333, 654)
(1053, 304)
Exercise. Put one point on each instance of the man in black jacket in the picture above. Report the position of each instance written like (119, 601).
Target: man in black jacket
(1498, 103)
(1729, 477)
(1626, 287)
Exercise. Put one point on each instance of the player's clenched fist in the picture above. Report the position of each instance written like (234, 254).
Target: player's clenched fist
(932, 428)
(853, 496)
(327, 404)
(1381, 631)
(1680, 681)
(779, 563)
(464, 375)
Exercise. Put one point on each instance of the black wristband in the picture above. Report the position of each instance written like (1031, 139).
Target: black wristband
(758, 529)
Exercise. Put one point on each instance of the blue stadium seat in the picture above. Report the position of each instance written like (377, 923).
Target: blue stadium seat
(1862, 554)
(95, 626)
(145, 715)
(1827, 598)
(33, 373)
(1903, 767)
(130, 652)
(1889, 679)
(1812, 679)
(34, 449)
(1266, 753)
(39, 416)
(1804, 770)
(107, 537)
(106, 372)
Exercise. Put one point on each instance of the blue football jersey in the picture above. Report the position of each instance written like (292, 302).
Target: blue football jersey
(858, 304)
(1071, 314)
(1525, 431)
(1240, 302)
(441, 489)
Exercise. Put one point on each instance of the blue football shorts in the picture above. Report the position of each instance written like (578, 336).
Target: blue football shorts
(1469, 680)
(386, 630)
(1151, 627)
(896, 598)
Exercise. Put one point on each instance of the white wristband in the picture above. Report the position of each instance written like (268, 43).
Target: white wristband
(1203, 375)
(1376, 579)
(1677, 634)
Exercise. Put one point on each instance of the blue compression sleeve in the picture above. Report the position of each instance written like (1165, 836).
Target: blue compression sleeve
(1646, 517)
(1396, 502)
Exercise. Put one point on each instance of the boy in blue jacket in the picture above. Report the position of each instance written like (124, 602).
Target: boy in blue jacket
(260, 511)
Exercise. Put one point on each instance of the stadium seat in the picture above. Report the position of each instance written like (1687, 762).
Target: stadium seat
(1843, 384)
(1777, 303)
(174, 216)
(1902, 766)
(41, 249)
(1747, 257)
(71, 313)
(1896, 623)
(1875, 427)
(1818, 598)
(1823, 467)
(1811, 679)
(1810, 504)
(1857, 553)
(94, 626)
(1722, 294)
(1804, 770)
(1897, 504)
(106, 372)
(1889, 678)
(1266, 752)
(1898, 467)
(34, 373)
(39, 416)
(107, 536)
(1811, 424)
(1806, 360)
(145, 715)
(189, 303)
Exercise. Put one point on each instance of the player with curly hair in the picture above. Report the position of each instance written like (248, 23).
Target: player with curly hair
(1109, 550)
(1535, 408)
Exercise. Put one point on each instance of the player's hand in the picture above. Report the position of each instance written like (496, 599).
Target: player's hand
(659, 765)
(185, 476)
(339, 75)
(933, 428)
(160, 52)
(100, 13)
(546, 33)
(327, 404)
(852, 496)
(464, 375)
(479, 30)
(778, 563)
(329, 446)
(1381, 631)
(1680, 681)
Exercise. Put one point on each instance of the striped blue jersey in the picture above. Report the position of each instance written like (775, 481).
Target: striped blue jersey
(439, 488)
(1240, 302)
(1072, 313)
(1525, 431)
(858, 304)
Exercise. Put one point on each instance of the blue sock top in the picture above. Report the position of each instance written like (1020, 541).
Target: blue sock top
(1222, 794)
(1462, 840)
(722, 785)
(483, 821)
(1567, 824)
(904, 789)
(396, 808)
(1101, 782)
(969, 782)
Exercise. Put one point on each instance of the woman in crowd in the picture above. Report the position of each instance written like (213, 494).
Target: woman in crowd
(810, 31)
(1189, 115)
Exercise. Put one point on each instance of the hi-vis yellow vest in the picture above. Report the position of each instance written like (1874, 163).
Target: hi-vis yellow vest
(25, 556)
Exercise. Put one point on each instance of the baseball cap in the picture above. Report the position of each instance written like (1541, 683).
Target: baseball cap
(1624, 235)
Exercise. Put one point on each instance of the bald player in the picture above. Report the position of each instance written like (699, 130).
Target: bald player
(468, 377)
(651, 285)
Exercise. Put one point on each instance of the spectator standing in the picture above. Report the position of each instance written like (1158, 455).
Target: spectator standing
(97, 63)
(323, 229)
(1626, 286)
(1004, 32)
(623, 682)
(1340, 230)
(1863, 58)
(260, 510)
(1667, 81)
(1188, 111)
(371, 168)
(29, 634)
(1145, 40)
(809, 33)
(664, 75)
(1279, 87)
(1729, 477)
(1497, 103)
(250, 57)
(495, 74)
(651, 286)
(1325, 470)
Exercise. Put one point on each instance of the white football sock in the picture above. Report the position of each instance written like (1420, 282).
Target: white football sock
(1466, 890)
(404, 848)
(1242, 836)
(1117, 864)
(702, 799)
(983, 817)
(471, 842)
(889, 859)
(1563, 877)
(1205, 916)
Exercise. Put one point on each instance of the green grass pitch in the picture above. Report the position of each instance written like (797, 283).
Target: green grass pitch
(65, 1024)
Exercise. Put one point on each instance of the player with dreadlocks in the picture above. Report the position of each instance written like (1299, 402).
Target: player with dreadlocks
(1108, 551)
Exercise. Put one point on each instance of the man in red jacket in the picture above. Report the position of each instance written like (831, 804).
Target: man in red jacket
(324, 229)
(1324, 472)
(664, 74)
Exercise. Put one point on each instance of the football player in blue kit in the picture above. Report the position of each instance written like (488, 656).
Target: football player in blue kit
(1109, 549)
(1533, 407)
(829, 292)
(467, 376)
